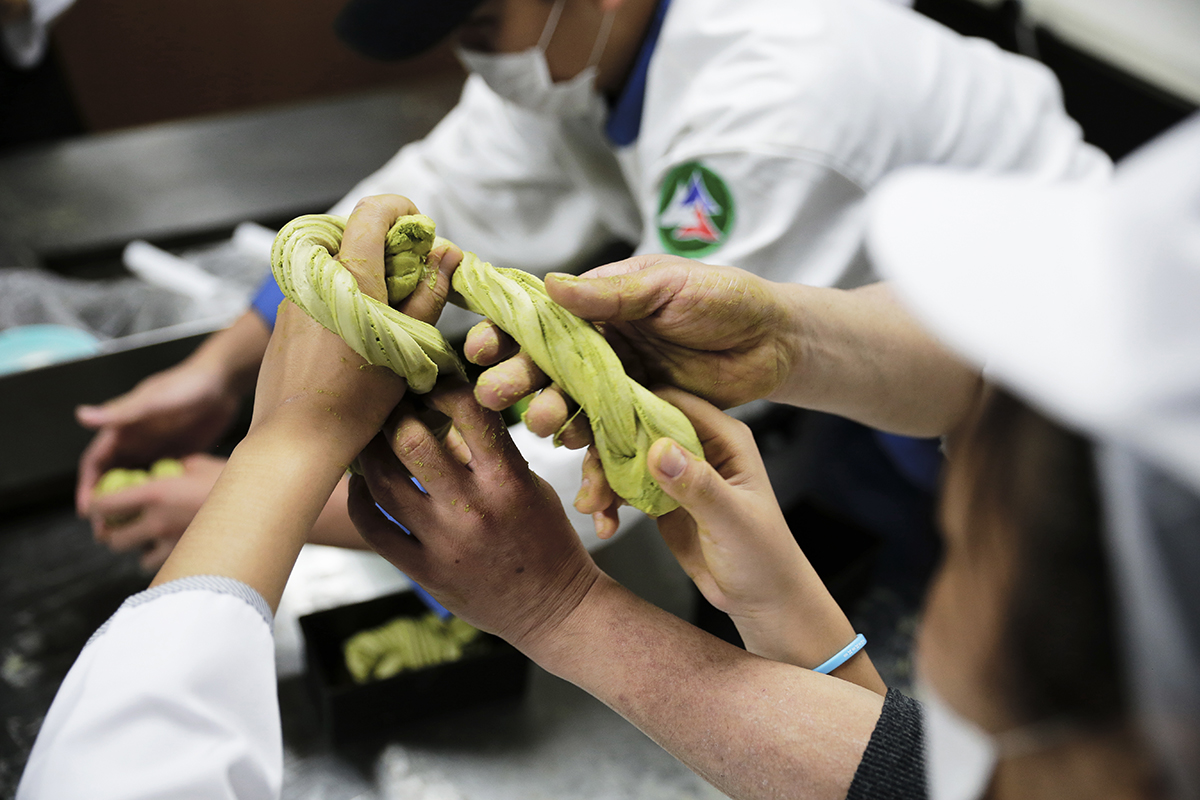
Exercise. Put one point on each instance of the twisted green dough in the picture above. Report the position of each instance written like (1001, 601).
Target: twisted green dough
(405, 643)
(626, 417)
(302, 260)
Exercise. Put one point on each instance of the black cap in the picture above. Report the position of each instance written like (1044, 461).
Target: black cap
(390, 30)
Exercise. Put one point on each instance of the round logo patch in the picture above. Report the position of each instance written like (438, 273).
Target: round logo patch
(695, 211)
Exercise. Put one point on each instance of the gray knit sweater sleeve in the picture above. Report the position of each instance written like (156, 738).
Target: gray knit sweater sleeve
(893, 766)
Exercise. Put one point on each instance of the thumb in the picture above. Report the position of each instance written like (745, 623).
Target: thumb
(429, 297)
(91, 417)
(615, 298)
(365, 237)
(690, 481)
(126, 502)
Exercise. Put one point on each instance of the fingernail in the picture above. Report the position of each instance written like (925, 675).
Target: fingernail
(672, 462)
(584, 485)
(562, 277)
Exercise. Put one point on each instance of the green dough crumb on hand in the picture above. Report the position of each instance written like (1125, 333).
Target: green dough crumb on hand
(626, 417)
(117, 480)
(405, 643)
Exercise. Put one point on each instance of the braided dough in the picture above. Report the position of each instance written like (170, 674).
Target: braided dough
(406, 643)
(626, 418)
(307, 272)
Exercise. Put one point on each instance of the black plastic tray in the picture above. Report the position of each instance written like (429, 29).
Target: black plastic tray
(490, 669)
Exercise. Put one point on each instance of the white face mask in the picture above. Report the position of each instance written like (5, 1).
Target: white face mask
(523, 78)
(960, 757)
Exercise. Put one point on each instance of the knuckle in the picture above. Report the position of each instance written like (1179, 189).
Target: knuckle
(741, 431)
(411, 439)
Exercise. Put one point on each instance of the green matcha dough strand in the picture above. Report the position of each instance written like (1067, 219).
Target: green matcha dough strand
(626, 417)
(304, 266)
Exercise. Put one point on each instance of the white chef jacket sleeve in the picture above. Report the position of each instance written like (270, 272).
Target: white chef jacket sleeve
(25, 40)
(518, 188)
(175, 696)
(764, 138)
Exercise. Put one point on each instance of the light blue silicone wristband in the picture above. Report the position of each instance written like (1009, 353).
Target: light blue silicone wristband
(843, 655)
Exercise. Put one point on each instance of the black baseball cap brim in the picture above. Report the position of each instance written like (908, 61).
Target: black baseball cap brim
(390, 30)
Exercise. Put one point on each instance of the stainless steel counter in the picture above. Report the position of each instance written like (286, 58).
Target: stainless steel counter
(92, 194)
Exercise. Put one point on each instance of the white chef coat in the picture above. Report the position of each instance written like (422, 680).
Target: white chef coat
(790, 112)
(797, 107)
(174, 696)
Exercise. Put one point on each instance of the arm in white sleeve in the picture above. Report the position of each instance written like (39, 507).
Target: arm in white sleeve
(175, 696)
(25, 40)
(519, 189)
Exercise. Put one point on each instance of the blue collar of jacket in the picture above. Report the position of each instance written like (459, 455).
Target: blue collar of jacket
(625, 118)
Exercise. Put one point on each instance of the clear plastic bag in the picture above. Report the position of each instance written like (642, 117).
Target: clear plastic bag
(119, 307)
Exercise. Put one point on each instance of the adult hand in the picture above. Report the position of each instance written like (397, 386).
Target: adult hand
(730, 537)
(182, 410)
(489, 538)
(152, 516)
(489, 541)
(717, 332)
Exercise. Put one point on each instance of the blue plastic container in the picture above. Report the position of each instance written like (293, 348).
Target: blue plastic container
(31, 346)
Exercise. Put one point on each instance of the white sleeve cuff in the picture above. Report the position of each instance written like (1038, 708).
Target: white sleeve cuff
(174, 696)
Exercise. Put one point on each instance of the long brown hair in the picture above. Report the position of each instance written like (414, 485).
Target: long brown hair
(1060, 658)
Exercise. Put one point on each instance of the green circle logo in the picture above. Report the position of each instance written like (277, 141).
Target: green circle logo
(695, 210)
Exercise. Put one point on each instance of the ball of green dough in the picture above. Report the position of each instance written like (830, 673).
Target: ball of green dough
(118, 480)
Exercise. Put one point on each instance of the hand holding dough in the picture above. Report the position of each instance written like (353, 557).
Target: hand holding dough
(116, 480)
(304, 266)
(626, 417)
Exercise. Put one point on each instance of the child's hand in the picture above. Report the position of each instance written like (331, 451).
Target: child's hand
(317, 405)
(311, 381)
(730, 536)
(152, 516)
(489, 539)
